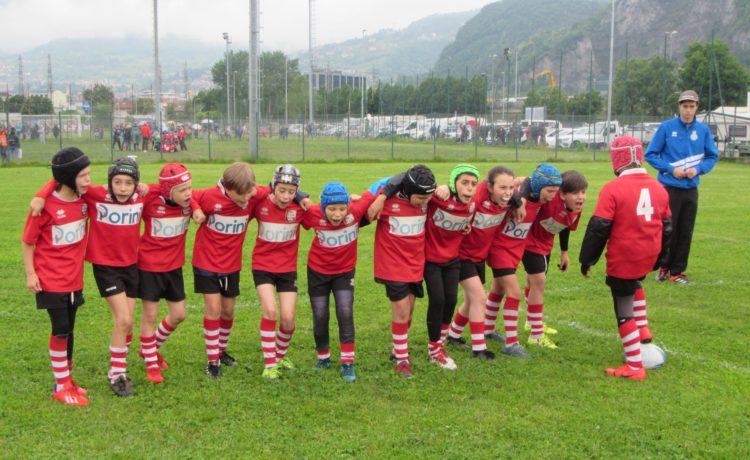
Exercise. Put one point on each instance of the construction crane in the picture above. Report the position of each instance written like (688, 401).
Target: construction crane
(550, 75)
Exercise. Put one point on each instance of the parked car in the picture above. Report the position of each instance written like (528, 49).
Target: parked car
(644, 132)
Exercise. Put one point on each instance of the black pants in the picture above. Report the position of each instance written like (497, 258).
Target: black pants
(320, 287)
(684, 206)
(442, 291)
(63, 322)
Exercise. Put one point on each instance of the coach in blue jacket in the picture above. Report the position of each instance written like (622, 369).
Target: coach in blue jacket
(681, 150)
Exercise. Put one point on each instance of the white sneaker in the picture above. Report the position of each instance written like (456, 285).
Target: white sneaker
(443, 360)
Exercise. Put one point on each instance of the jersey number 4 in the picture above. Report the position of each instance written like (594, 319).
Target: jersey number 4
(644, 207)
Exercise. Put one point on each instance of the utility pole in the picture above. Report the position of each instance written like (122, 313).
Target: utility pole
(312, 63)
(157, 71)
(226, 58)
(252, 86)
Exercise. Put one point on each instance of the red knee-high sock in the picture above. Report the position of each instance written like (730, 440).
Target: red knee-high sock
(510, 319)
(268, 341)
(163, 332)
(400, 333)
(283, 337)
(639, 308)
(631, 342)
(118, 362)
(477, 336)
(149, 350)
(457, 326)
(491, 309)
(211, 337)
(347, 353)
(535, 320)
(225, 328)
(58, 355)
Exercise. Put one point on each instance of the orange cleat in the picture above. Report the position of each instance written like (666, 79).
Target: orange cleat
(153, 374)
(66, 394)
(626, 372)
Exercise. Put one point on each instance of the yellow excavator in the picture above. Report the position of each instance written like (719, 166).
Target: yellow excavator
(550, 76)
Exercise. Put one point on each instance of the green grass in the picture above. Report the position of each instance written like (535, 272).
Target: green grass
(558, 405)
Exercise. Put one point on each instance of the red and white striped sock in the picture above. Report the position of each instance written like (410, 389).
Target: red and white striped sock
(526, 291)
(400, 333)
(268, 341)
(148, 350)
(118, 362)
(324, 354)
(128, 340)
(477, 336)
(510, 320)
(491, 309)
(458, 324)
(433, 348)
(58, 355)
(347, 353)
(639, 308)
(163, 332)
(444, 332)
(631, 342)
(211, 336)
(225, 328)
(283, 337)
(535, 319)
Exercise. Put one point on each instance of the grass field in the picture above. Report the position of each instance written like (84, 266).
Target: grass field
(558, 405)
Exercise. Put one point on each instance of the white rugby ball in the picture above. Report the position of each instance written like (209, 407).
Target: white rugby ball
(653, 357)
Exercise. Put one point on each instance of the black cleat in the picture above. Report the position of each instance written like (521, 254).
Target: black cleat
(120, 387)
(213, 369)
(226, 359)
(459, 342)
(486, 355)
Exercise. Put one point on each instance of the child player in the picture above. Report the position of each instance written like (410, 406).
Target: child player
(494, 197)
(330, 268)
(400, 252)
(559, 216)
(508, 247)
(632, 219)
(53, 250)
(160, 260)
(275, 267)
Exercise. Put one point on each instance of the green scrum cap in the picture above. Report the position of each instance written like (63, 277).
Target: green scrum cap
(461, 169)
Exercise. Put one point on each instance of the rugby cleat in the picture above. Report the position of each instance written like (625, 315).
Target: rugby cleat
(679, 279)
(271, 373)
(486, 355)
(227, 359)
(546, 329)
(323, 363)
(543, 342)
(67, 394)
(78, 389)
(347, 372)
(645, 333)
(627, 372)
(153, 374)
(516, 351)
(162, 362)
(458, 342)
(663, 274)
(494, 336)
(120, 387)
(404, 369)
(213, 369)
(442, 359)
(286, 364)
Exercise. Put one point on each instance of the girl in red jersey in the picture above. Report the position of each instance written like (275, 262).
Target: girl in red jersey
(330, 268)
(400, 251)
(508, 247)
(493, 199)
(275, 267)
(53, 250)
(160, 260)
(633, 220)
(560, 216)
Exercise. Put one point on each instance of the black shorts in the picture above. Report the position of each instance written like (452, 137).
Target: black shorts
(226, 284)
(114, 280)
(284, 282)
(471, 269)
(161, 285)
(621, 287)
(500, 272)
(320, 284)
(397, 290)
(53, 300)
(535, 263)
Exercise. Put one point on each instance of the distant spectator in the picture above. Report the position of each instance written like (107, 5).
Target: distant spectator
(55, 131)
(135, 136)
(4, 146)
(14, 144)
(146, 135)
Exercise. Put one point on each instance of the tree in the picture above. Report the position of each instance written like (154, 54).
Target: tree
(589, 103)
(726, 80)
(644, 86)
(39, 105)
(99, 95)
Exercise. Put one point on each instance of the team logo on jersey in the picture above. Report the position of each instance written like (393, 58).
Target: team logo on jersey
(472, 207)
(395, 207)
(323, 223)
(291, 215)
(348, 219)
(406, 225)
(694, 136)
(277, 233)
(337, 238)
(483, 221)
(161, 210)
(217, 207)
(553, 226)
(60, 214)
(451, 207)
(264, 211)
(169, 227)
(84, 209)
(186, 211)
(449, 222)
(118, 214)
(674, 133)
(517, 230)
(486, 204)
(70, 233)
(227, 225)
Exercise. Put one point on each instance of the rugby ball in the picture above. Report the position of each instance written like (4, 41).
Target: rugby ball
(653, 357)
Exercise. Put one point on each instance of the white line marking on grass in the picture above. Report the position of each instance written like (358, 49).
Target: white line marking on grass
(708, 236)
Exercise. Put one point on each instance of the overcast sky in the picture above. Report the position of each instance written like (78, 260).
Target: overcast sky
(25, 24)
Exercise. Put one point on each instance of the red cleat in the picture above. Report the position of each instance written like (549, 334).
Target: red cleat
(404, 368)
(626, 372)
(66, 394)
(78, 389)
(153, 374)
(645, 334)
(162, 362)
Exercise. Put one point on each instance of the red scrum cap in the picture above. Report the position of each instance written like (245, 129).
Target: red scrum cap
(626, 151)
(171, 176)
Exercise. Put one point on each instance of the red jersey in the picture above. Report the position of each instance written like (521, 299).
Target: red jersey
(636, 204)
(510, 240)
(277, 244)
(553, 218)
(163, 240)
(446, 227)
(59, 235)
(399, 241)
(334, 248)
(487, 217)
(219, 240)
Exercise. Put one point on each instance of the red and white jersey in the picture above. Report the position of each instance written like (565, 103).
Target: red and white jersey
(163, 240)
(636, 204)
(488, 216)
(277, 244)
(511, 237)
(553, 218)
(219, 240)
(400, 241)
(59, 235)
(334, 248)
(446, 228)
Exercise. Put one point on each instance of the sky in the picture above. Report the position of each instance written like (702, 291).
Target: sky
(284, 23)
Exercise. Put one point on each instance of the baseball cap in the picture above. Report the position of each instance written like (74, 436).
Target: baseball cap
(688, 95)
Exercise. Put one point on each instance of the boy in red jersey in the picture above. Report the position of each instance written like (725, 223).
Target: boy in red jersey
(160, 260)
(53, 250)
(560, 216)
(400, 251)
(330, 268)
(493, 199)
(275, 267)
(508, 247)
(633, 220)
